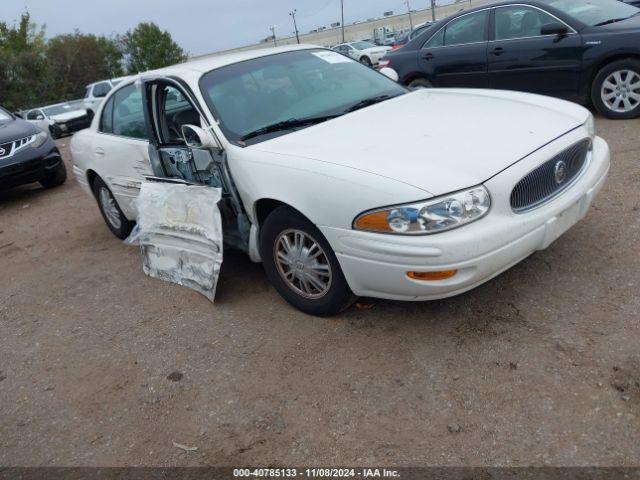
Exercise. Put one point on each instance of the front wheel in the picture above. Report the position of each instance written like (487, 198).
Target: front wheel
(55, 178)
(55, 132)
(301, 265)
(616, 90)
(419, 84)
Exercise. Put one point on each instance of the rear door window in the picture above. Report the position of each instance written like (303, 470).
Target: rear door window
(471, 28)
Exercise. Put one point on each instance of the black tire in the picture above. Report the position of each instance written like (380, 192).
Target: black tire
(55, 131)
(419, 83)
(598, 90)
(56, 178)
(123, 226)
(337, 297)
(366, 61)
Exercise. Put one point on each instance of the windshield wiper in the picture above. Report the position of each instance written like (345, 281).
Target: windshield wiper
(287, 125)
(607, 22)
(368, 102)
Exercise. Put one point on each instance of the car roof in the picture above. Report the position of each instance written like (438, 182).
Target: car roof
(211, 62)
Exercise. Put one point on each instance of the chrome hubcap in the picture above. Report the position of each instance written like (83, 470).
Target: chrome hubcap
(621, 91)
(302, 264)
(110, 208)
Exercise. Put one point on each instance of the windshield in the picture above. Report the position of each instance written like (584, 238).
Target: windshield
(5, 116)
(595, 12)
(362, 45)
(251, 95)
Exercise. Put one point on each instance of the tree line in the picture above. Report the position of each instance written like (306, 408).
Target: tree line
(35, 71)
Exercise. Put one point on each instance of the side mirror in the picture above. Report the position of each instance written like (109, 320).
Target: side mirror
(554, 28)
(196, 137)
(40, 117)
(17, 114)
(390, 73)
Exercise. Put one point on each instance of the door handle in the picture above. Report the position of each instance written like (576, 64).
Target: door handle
(498, 51)
(427, 56)
(99, 152)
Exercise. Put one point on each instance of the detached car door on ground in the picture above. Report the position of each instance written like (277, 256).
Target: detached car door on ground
(530, 53)
(457, 55)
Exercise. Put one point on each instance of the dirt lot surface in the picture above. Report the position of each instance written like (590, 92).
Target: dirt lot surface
(100, 365)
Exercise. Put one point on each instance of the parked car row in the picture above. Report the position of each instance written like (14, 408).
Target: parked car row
(588, 52)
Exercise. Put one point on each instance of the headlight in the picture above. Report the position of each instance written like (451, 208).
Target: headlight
(432, 216)
(590, 125)
(39, 139)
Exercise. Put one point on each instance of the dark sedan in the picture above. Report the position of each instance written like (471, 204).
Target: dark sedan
(27, 155)
(587, 52)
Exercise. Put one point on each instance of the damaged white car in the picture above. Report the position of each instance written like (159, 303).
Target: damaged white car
(314, 181)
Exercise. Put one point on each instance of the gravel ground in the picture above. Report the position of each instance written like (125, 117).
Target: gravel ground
(100, 365)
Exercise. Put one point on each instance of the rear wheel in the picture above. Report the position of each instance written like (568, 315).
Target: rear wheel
(420, 83)
(366, 61)
(301, 265)
(119, 225)
(616, 89)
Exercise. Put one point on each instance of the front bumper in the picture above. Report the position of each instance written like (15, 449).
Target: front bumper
(73, 125)
(30, 165)
(376, 265)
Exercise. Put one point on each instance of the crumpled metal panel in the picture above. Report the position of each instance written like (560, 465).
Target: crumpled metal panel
(179, 232)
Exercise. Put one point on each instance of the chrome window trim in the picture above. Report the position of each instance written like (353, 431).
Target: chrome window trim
(451, 21)
(572, 30)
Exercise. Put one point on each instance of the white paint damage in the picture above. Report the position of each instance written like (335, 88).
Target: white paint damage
(179, 231)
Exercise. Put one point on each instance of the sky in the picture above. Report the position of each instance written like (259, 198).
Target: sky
(199, 26)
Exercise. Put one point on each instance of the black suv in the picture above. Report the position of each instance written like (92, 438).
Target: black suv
(27, 154)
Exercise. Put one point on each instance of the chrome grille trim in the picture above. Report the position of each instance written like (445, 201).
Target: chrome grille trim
(541, 185)
(14, 146)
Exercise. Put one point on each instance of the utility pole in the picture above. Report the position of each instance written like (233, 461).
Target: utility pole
(409, 9)
(433, 10)
(342, 22)
(295, 25)
(273, 31)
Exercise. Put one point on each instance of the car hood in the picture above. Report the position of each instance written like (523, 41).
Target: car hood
(16, 129)
(63, 117)
(436, 140)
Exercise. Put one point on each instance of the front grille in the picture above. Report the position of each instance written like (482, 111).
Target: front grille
(6, 149)
(10, 148)
(550, 178)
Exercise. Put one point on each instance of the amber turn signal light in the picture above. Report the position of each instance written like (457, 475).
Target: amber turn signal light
(377, 222)
(431, 276)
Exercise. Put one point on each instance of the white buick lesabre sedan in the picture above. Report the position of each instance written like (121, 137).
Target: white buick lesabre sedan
(332, 198)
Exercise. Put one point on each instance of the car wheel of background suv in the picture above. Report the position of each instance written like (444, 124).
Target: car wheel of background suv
(55, 131)
(119, 225)
(419, 83)
(56, 178)
(616, 89)
(301, 265)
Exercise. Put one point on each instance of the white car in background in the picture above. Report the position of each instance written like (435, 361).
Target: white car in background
(317, 184)
(60, 119)
(364, 52)
(96, 92)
